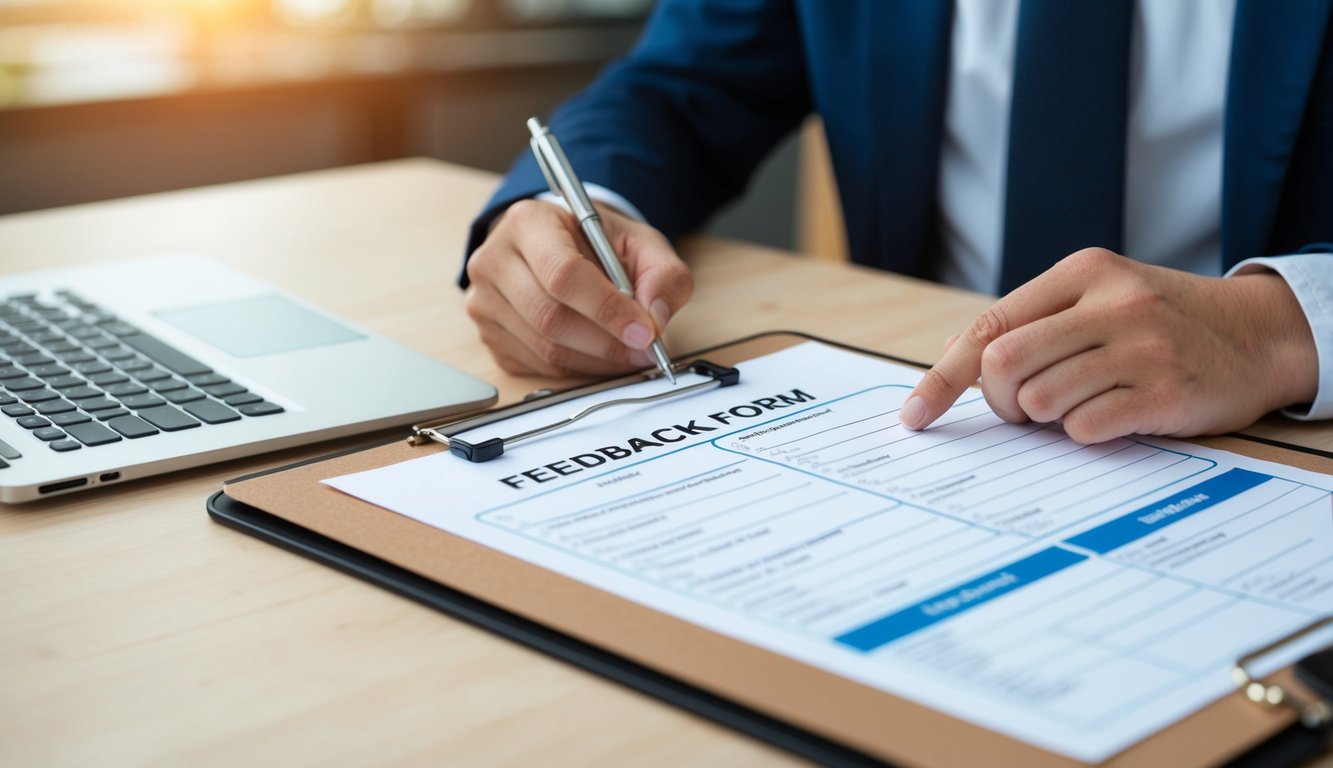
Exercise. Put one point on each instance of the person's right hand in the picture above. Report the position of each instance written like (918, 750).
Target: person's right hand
(544, 306)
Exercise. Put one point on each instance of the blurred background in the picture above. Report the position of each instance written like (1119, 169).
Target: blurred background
(109, 98)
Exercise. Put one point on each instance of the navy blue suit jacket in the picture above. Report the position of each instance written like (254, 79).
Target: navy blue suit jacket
(678, 125)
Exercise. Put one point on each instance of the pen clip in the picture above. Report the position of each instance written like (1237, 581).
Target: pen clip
(559, 175)
(545, 165)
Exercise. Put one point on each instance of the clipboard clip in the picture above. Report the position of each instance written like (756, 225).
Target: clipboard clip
(718, 376)
(1315, 713)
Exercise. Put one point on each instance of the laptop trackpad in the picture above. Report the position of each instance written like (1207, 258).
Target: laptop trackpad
(260, 325)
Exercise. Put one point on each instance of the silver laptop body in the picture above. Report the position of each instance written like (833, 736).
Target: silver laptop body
(154, 365)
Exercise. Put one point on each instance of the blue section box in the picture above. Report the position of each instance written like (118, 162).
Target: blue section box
(946, 605)
(1160, 514)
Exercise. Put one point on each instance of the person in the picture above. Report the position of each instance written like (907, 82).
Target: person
(947, 123)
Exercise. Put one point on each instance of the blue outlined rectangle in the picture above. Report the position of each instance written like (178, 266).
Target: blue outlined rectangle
(946, 605)
(1145, 520)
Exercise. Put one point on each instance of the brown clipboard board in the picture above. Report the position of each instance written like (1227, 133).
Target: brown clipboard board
(868, 721)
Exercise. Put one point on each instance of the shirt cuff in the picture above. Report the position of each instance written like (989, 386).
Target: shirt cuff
(1310, 277)
(599, 194)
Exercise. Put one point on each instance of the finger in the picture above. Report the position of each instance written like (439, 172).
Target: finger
(1111, 414)
(948, 343)
(1051, 292)
(565, 272)
(1052, 393)
(1008, 362)
(506, 346)
(503, 329)
(540, 321)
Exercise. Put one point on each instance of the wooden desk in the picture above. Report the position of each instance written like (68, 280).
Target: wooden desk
(135, 631)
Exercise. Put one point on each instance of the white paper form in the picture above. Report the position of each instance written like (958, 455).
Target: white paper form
(1077, 597)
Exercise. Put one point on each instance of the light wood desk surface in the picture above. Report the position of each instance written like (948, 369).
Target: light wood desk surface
(134, 631)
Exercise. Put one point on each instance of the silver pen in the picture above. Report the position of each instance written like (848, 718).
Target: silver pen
(563, 182)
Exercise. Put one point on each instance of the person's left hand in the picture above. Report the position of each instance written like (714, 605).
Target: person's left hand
(1112, 347)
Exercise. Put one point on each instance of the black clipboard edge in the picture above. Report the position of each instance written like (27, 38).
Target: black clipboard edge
(321, 549)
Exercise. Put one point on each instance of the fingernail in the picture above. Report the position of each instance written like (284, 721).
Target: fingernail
(661, 312)
(913, 413)
(637, 336)
(640, 359)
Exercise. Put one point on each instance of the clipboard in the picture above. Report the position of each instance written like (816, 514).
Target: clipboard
(808, 711)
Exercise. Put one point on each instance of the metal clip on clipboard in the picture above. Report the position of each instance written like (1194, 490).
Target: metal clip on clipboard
(1316, 713)
(719, 376)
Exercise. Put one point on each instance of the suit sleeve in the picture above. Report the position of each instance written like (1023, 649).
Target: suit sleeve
(678, 125)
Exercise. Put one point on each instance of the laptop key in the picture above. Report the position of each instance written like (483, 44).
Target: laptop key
(119, 328)
(132, 426)
(184, 396)
(48, 433)
(81, 393)
(225, 390)
(65, 382)
(102, 342)
(208, 379)
(74, 358)
(33, 422)
(133, 364)
(151, 374)
(34, 358)
(55, 406)
(46, 337)
(8, 451)
(165, 355)
(118, 353)
(142, 401)
(16, 410)
(8, 371)
(61, 347)
(98, 404)
(127, 388)
(92, 433)
(23, 384)
(48, 370)
(212, 412)
(65, 445)
(167, 418)
(113, 413)
(107, 378)
(72, 417)
(167, 385)
(245, 398)
(38, 395)
(91, 367)
(261, 408)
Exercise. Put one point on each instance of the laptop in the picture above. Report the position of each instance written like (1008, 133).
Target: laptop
(113, 372)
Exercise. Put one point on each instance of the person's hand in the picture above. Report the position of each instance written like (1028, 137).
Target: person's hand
(543, 305)
(1112, 347)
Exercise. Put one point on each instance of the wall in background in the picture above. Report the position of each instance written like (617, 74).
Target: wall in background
(236, 107)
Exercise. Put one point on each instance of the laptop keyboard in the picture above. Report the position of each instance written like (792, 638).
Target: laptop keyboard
(77, 376)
